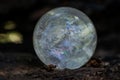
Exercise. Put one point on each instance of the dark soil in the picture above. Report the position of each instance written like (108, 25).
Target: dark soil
(19, 61)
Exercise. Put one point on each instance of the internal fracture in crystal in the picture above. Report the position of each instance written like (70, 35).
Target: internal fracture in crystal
(65, 37)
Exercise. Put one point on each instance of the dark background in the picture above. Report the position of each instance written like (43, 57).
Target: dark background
(18, 59)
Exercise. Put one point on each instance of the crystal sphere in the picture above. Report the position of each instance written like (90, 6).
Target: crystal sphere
(64, 37)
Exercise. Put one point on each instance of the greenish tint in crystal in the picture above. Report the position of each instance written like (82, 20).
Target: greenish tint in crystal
(65, 37)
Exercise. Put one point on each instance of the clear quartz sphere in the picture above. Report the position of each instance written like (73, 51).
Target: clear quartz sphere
(64, 37)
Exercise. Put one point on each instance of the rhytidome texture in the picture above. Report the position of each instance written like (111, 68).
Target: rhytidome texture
(65, 37)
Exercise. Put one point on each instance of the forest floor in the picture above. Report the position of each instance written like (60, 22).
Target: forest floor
(25, 66)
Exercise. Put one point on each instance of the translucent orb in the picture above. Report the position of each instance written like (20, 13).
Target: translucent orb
(64, 37)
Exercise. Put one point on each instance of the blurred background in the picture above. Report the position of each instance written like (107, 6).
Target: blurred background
(19, 17)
